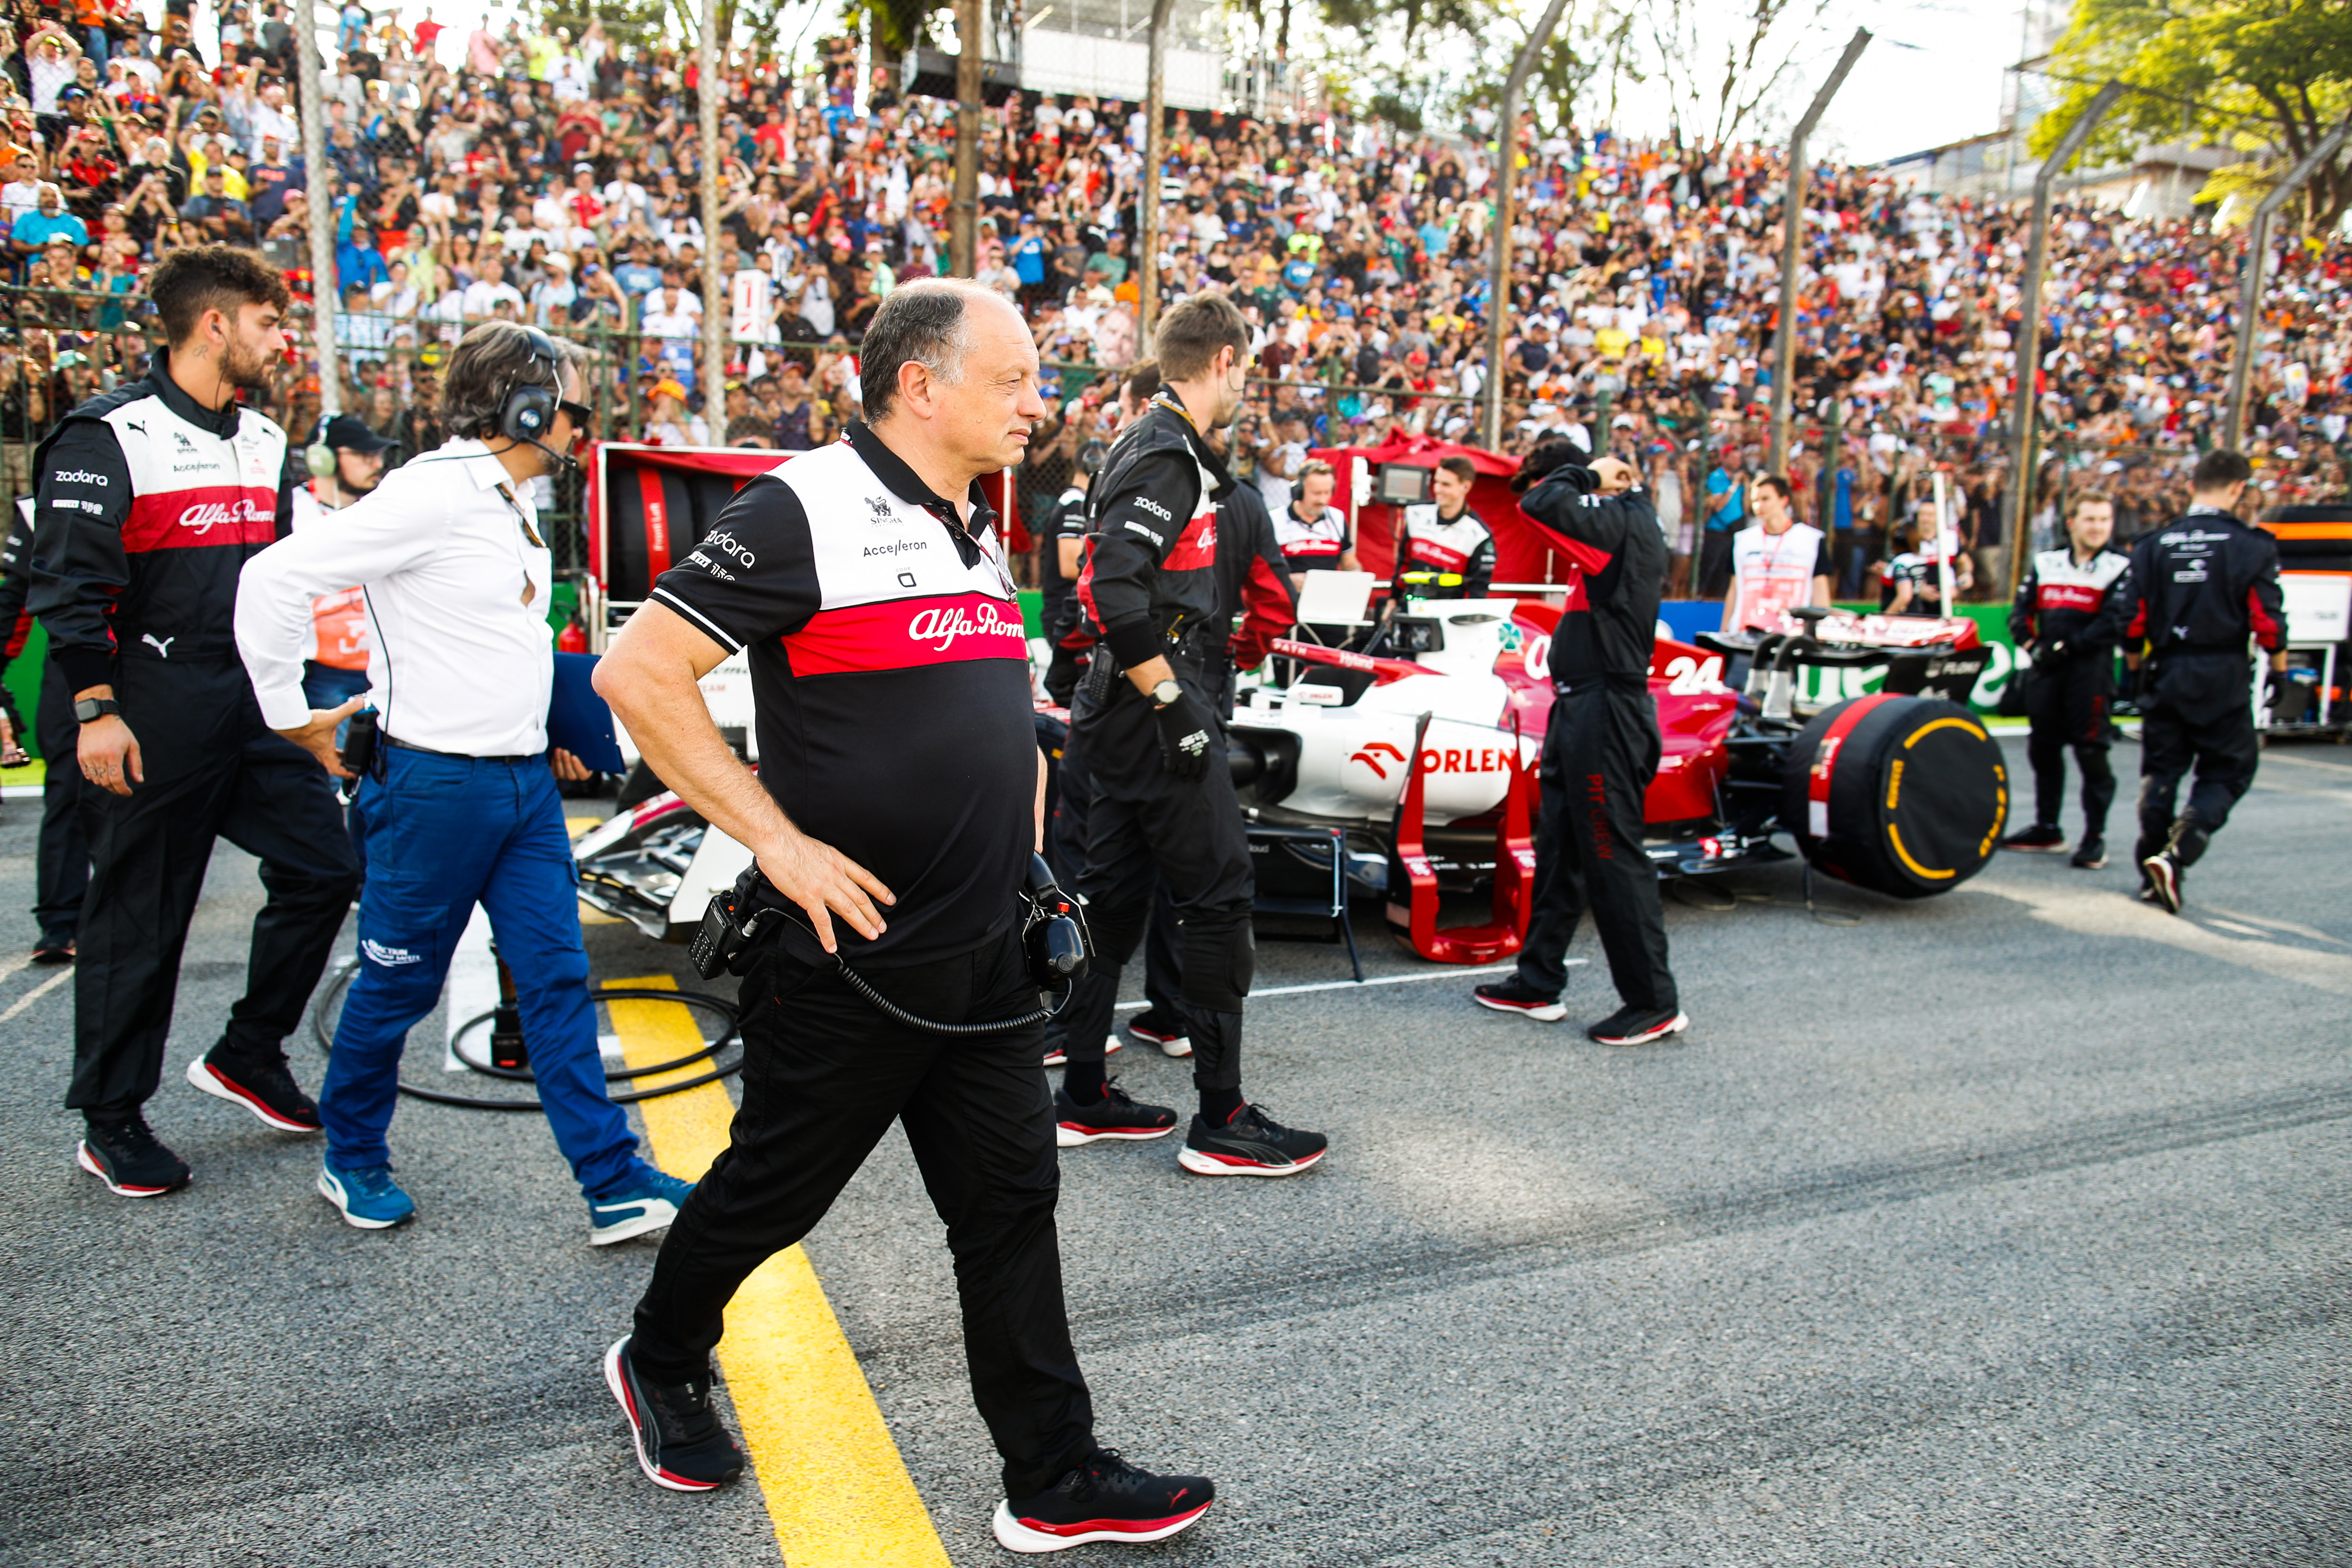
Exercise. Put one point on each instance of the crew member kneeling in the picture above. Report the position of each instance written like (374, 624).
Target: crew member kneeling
(898, 767)
(1600, 751)
(461, 806)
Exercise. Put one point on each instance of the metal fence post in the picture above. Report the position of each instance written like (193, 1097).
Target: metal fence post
(2249, 299)
(324, 294)
(710, 53)
(1507, 168)
(2018, 494)
(1792, 251)
(1155, 111)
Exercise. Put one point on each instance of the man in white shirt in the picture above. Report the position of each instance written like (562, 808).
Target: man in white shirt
(461, 805)
(1775, 563)
(483, 295)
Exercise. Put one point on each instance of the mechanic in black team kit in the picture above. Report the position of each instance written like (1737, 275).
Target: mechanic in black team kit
(1444, 539)
(1163, 800)
(2072, 684)
(152, 498)
(1058, 576)
(2196, 593)
(899, 769)
(1599, 750)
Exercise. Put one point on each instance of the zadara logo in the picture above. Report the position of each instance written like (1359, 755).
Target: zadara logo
(941, 626)
(204, 516)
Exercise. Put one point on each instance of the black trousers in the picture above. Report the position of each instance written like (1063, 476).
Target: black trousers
(1715, 561)
(1065, 850)
(1145, 825)
(61, 875)
(212, 771)
(825, 1074)
(1600, 753)
(2199, 714)
(2067, 705)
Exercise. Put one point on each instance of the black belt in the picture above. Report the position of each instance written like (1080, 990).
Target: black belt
(458, 756)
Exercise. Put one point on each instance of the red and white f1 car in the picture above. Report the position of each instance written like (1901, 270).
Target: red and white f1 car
(1848, 733)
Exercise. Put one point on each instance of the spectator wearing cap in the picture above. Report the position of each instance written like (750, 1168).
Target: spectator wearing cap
(346, 460)
(268, 179)
(668, 423)
(553, 298)
(22, 194)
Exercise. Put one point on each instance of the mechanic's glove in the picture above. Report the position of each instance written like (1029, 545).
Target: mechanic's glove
(1184, 729)
(2056, 649)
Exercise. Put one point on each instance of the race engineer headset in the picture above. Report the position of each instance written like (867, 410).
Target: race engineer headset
(1446, 551)
(2197, 593)
(152, 498)
(1162, 799)
(1599, 749)
(899, 768)
(460, 807)
(2071, 681)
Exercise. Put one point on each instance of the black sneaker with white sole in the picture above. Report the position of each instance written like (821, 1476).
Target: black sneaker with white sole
(1638, 1025)
(128, 1158)
(2041, 838)
(2162, 875)
(263, 1084)
(1251, 1145)
(2091, 856)
(1515, 996)
(1154, 1027)
(1106, 1499)
(681, 1443)
(1055, 1056)
(1116, 1115)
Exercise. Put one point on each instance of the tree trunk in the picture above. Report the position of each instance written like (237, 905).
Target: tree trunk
(963, 217)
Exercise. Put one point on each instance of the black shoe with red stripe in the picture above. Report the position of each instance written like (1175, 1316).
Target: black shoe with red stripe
(1154, 1027)
(263, 1084)
(130, 1160)
(681, 1443)
(1515, 996)
(1106, 1499)
(1638, 1025)
(1251, 1145)
(1115, 1115)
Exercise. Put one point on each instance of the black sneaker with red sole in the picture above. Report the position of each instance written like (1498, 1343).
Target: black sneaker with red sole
(681, 1443)
(1154, 1027)
(2161, 882)
(128, 1158)
(263, 1084)
(1251, 1145)
(1055, 1056)
(1515, 996)
(1106, 1499)
(2038, 838)
(1116, 1115)
(1638, 1025)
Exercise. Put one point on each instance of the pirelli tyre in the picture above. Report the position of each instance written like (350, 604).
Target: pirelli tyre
(1903, 796)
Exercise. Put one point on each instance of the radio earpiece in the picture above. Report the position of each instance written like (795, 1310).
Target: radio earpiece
(317, 456)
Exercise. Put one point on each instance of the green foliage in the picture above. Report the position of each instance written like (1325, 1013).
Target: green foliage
(1387, 106)
(2261, 72)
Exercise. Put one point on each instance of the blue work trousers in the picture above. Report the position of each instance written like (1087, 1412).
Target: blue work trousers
(443, 835)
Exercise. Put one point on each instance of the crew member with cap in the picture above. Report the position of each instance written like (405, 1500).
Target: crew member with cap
(2199, 594)
(1600, 749)
(344, 461)
(152, 498)
(1445, 551)
(460, 807)
(1164, 799)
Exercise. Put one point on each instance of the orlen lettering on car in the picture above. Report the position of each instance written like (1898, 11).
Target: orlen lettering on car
(902, 633)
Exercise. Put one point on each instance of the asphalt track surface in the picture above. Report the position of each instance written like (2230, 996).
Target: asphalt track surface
(2004, 1227)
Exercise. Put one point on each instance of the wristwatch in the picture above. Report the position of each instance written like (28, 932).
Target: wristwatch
(90, 708)
(1164, 693)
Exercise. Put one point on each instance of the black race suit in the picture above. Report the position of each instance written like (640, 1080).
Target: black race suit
(1058, 598)
(2198, 592)
(2073, 681)
(1601, 747)
(148, 505)
(61, 873)
(1150, 589)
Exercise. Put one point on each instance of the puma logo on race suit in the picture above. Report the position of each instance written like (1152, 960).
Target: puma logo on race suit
(163, 648)
(204, 516)
(941, 626)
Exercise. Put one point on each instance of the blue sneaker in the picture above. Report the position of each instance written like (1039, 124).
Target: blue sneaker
(368, 1197)
(647, 1204)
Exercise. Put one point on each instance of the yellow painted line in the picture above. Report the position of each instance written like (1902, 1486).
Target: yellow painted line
(837, 1488)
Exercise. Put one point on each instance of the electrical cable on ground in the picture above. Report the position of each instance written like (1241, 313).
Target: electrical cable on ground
(332, 996)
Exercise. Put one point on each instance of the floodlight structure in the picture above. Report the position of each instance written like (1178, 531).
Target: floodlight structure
(1506, 169)
(326, 293)
(1155, 110)
(1792, 250)
(2249, 299)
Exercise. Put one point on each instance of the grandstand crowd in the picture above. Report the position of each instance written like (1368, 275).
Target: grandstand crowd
(552, 178)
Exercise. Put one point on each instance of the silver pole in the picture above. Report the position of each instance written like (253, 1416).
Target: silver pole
(1155, 110)
(325, 295)
(1506, 169)
(1792, 251)
(710, 50)
(2018, 502)
(2250, 298)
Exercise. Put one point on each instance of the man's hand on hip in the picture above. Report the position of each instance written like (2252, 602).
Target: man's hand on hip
(109, 754)
(824, 882)
(318, 737)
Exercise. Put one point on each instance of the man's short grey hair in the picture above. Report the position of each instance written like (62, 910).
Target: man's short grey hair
(490, 362)
(926, 322)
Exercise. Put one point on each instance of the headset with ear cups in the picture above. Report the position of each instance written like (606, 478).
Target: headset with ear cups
(317, 456)
(528, 411)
